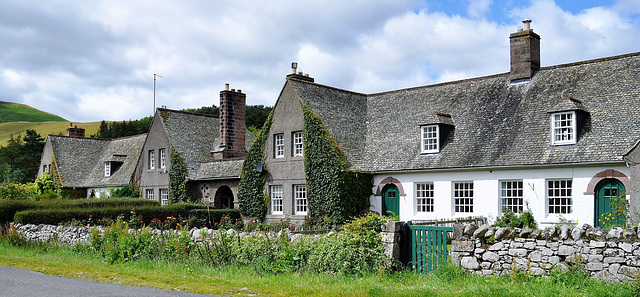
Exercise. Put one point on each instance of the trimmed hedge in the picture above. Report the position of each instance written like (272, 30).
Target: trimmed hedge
(8, 208)
(145, 213)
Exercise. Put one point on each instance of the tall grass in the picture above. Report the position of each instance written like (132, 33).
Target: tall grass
(272, 271)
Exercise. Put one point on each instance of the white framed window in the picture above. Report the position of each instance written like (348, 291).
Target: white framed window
(429, 138)
(463, 196)
(424, 197)
(164, 197)
(278, 145)
(163, 158)
(511, 195)
(563, 128)
(152, 159)
(148, 193)
(276, 199)
(300, 198)
(298, 148)
(559, 195)
(107, 169)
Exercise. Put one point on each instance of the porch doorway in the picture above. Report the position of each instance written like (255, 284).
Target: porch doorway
(391, 200)
(607, 191)
(223, 198)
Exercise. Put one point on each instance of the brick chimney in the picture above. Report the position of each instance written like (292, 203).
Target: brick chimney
(525, 52)
(74, 131)
(232, 124)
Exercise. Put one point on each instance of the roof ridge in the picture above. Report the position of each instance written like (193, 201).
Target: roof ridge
(188, 112)
(328, 87)
(591, 61)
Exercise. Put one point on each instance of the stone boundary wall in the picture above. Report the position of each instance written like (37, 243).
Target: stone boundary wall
(70, 235)
(611, 255)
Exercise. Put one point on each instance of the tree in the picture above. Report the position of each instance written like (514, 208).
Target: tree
(20, 159)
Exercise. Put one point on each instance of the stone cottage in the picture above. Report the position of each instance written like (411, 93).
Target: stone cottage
(211, 147)
(90, 167)
(549, 139)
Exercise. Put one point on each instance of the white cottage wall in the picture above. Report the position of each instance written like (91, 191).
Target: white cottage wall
(487, 192)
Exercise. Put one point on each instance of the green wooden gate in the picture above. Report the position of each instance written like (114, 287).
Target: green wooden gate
(428, 247)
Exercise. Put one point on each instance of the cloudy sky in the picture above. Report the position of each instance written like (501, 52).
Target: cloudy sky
(95, 60)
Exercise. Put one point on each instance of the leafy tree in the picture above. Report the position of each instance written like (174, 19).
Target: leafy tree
(20, 159)
(111, 130)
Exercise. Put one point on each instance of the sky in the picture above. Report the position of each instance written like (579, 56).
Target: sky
(95, 60)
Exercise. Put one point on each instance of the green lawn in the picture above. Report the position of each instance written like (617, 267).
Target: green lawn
(192, 277)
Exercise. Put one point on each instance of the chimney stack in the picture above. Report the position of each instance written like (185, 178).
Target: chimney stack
(74, 131)
(232, 124)
(299, 74)
(525, 52)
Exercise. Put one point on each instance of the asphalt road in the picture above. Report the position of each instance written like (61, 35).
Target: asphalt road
(26, 283)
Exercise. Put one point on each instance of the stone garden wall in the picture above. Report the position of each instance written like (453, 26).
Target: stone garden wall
(609, 255)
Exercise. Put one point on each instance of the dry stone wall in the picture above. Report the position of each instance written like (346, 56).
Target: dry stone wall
(612, 255)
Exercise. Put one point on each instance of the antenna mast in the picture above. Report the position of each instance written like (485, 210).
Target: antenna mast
(154, 92)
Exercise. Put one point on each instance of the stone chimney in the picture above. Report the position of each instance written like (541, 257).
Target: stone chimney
(299, 74)
(74, 131)
(525, 52)
(232, 124)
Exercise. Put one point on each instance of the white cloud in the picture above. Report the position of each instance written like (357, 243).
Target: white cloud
(73, 58)
(478, 8)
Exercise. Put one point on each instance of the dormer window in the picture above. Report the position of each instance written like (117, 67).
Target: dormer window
(430, 139)
(107, 169)
(434, 131)
(563, 128)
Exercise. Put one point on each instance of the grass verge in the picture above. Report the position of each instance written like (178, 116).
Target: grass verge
(242, 281)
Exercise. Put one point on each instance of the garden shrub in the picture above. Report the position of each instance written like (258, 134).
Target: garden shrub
(17, 191)
(512, 219)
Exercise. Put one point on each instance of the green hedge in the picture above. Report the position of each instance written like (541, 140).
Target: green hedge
(145, 213)
(8, 208)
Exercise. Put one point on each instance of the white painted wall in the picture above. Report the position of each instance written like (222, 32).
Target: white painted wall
(487, 195)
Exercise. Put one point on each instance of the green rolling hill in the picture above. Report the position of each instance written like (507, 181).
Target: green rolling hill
(15, 112)
(16, 118)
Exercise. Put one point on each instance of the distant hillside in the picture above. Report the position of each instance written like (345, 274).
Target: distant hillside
(43, 128)
(15, 112)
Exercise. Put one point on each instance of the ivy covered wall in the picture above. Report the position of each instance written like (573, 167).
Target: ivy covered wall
(177, 178)
(334, 192)
(252, 199)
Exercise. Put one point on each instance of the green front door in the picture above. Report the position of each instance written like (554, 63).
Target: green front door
(391, 201)
(606, 192)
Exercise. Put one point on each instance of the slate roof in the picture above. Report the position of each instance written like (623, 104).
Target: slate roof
(497, 123)
(195, 136)
(81, 160)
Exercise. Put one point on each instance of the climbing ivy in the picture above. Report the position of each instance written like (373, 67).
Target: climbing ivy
(177, 178)
(333, 191)
(251, 196)
(55, 174)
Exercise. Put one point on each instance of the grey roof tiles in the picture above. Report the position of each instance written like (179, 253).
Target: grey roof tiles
(496, 122)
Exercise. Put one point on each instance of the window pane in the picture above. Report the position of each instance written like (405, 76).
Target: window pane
(276, 199)
(559, 196)
(511, 196)
(424, 197)
(463, 196)
(300, 195)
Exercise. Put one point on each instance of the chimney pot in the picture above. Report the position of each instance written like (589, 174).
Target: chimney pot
(294, 67)
(239, 91)
(527, 24)
(226, 87)
(233, 90)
